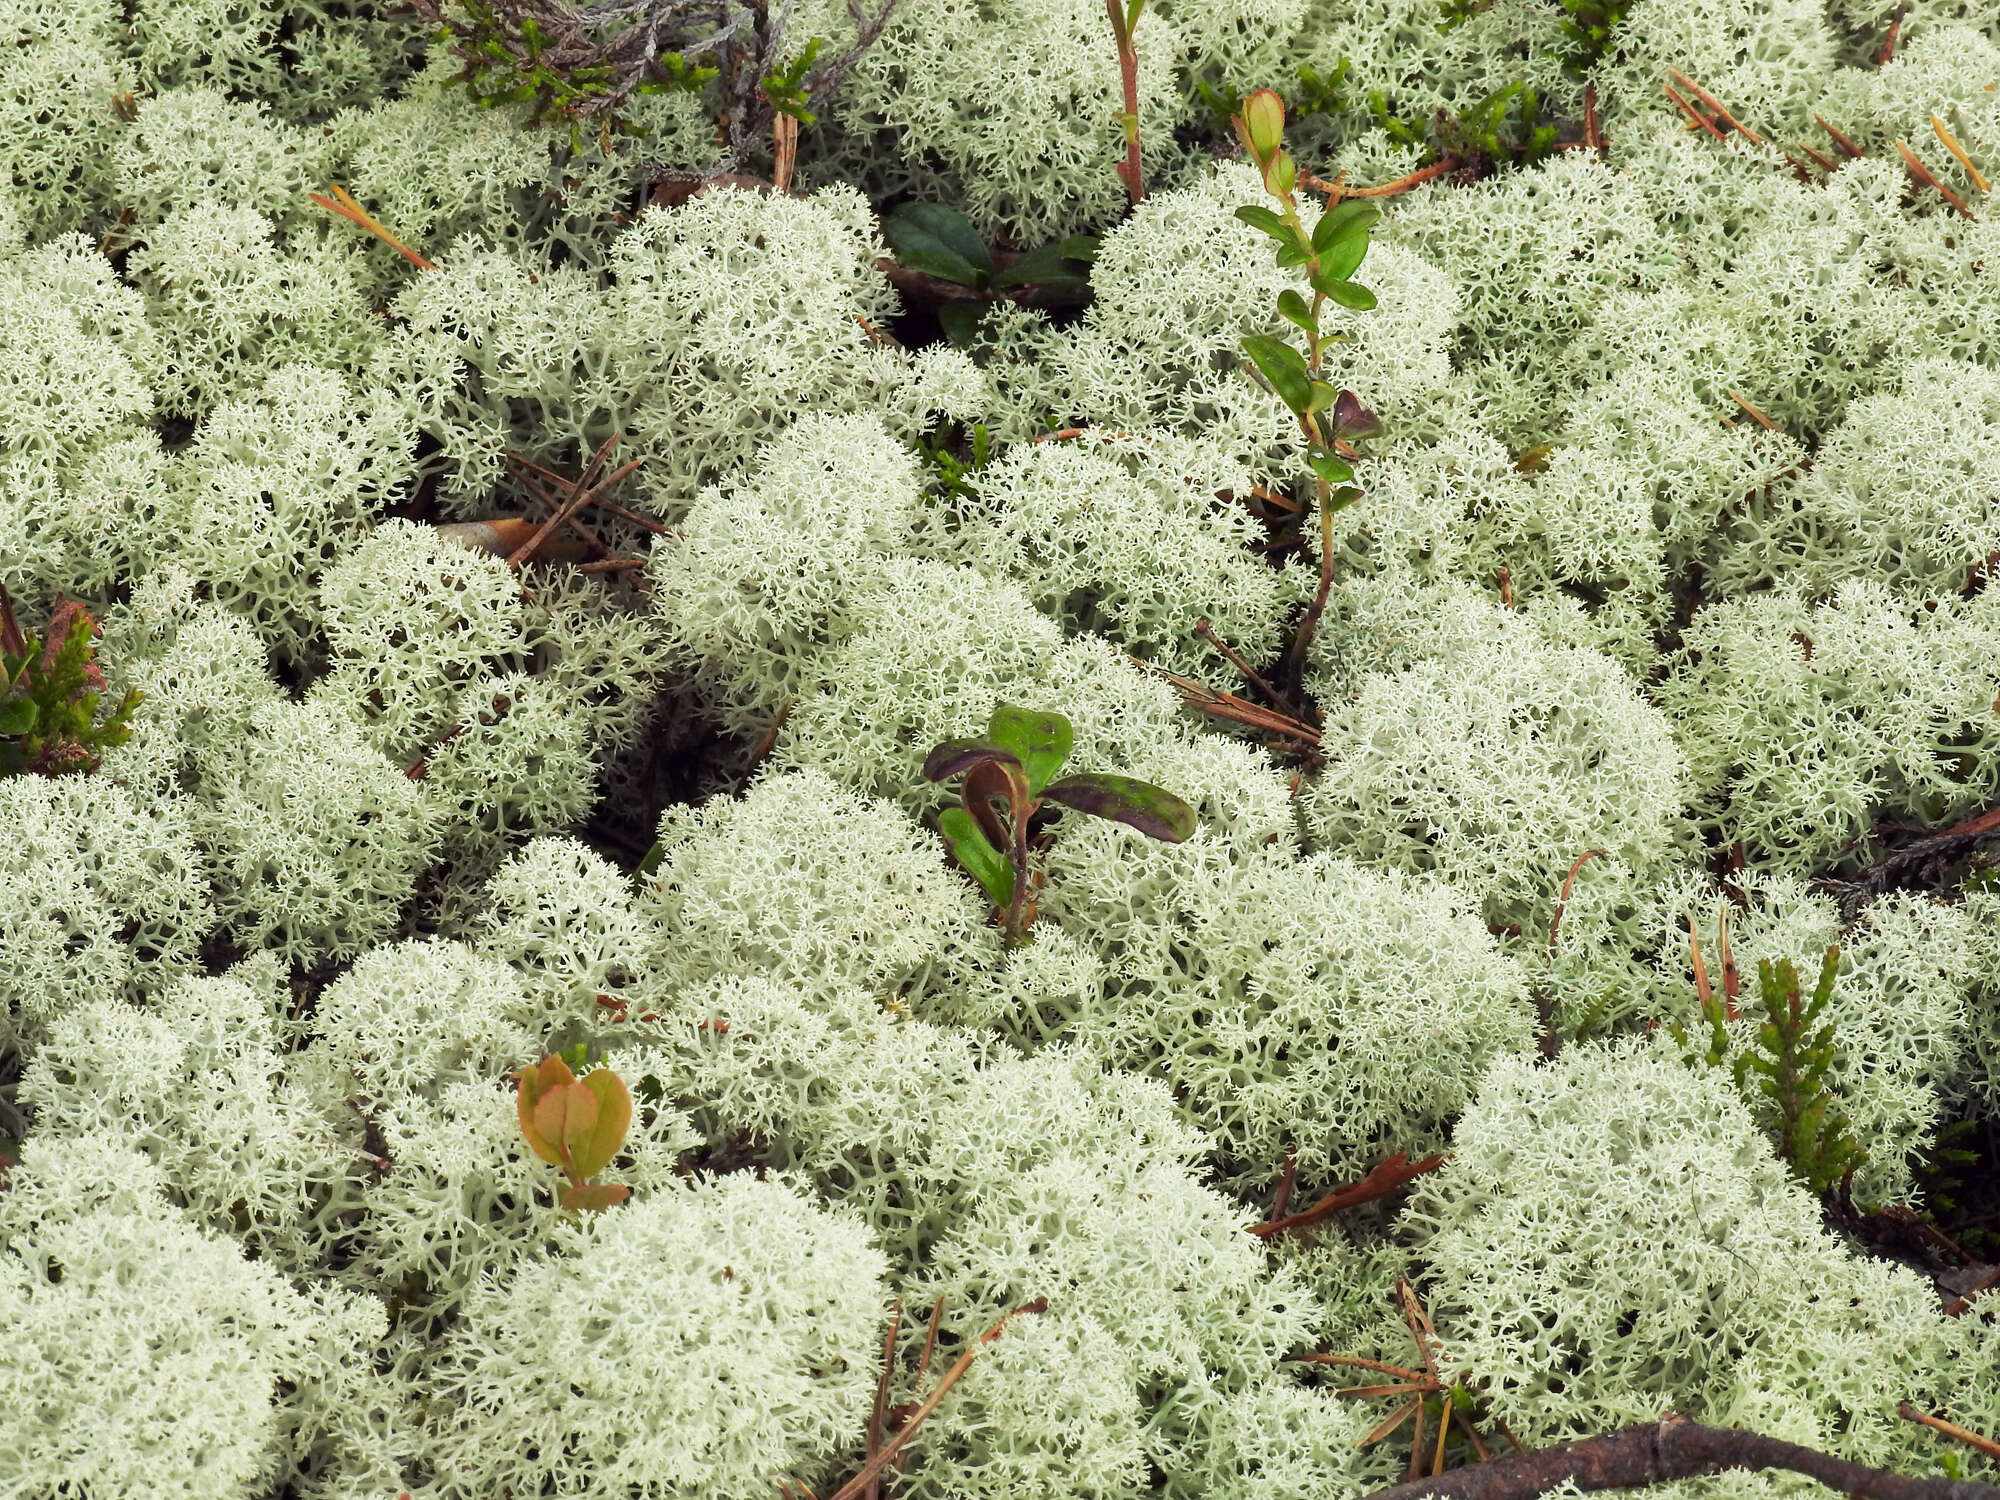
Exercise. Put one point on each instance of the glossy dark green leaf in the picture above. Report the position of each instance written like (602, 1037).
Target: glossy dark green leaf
(18, 716)
(1344, 218)
(1320, 395)
(938, 241)
(1080, 247)
(1282, 365)
(1351, 294)
(960, 321)
(955, 757)
(1293, 309)
(1292, 254)
(1268, 220)
(1045, 265)
(1040, 739)
(1330, 467)
(977, 855)
(1152, 810)
(1343, 257)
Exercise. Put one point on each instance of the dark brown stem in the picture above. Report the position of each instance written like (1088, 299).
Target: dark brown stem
(1295, 661)
(1285, 1180)
(1673, 1448)
(877, 1416)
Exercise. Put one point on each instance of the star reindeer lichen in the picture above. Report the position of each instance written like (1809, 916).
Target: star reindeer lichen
(1437, 1405)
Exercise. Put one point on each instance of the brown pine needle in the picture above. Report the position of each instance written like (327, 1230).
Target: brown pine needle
(1390, 1423)
(1852, 151)
(1951, 144)
(1825, 163)
(879, 1414)
(347, 208)
(1354, 1361)
(1923, 174)
(1249, 672)
(1755, 415)
(1716, 104)
(1395, 1388)
(1385, 1178)
(860, 1482)
(1950, 1429)
(1404, 184)
(1701, 121)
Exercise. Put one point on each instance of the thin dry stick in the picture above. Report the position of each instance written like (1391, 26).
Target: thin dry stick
(1923, 174)
(1249, 672)
(1950, 1429)
(1755, 415)
(1716, 104)
(1701, 121)
(877, 1416)
(859, 1483)
(1551, 1039)
(1951, 144)
(1221, 705)
(785, 150)
(1590, 136)
(597, 502)
(1356, 1362)
(1382, 1180)
(347, 208)
(1338, 188)
(576, 523)
(1989, 1280)
(578, 498)
(1673, 1448)
(1852, 151)
(612, 565)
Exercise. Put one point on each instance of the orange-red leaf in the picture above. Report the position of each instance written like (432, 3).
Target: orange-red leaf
(531, 1085)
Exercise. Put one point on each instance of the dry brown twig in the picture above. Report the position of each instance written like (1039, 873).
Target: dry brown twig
(1384, 1178)
(1673, 1448)
(1972, 1440)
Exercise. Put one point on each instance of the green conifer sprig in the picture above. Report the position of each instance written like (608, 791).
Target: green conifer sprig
(1793, 1061)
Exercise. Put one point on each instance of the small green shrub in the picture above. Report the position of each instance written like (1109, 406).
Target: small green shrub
(49, 687)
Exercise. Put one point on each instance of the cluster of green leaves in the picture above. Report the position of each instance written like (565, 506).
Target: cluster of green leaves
(940, 241)
(1791, 1061)
(786, 88)
(955, 472)
(1483, 135)
(49, 689)
(576, 1124)
(1588, 24)
(1330, 255)
(1317, 94)
(1010, 772)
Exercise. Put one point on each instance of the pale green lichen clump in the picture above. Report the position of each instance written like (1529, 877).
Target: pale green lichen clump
(1668, 600)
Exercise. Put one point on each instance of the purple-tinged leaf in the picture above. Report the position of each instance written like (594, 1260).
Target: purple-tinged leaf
(1155, 812)
(996, 795)
(955, 757)
(1353, 421)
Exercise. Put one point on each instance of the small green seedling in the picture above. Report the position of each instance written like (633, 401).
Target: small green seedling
(576, 1124)
(1330, 255)
(940, 241)
(1009, 774)
(48, 696)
